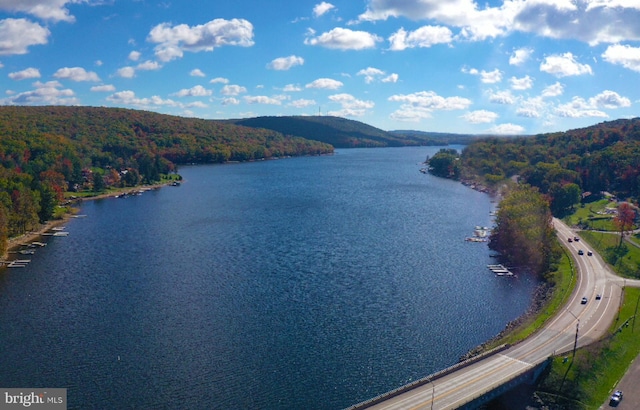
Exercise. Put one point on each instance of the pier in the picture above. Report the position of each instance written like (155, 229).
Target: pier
(500, 270)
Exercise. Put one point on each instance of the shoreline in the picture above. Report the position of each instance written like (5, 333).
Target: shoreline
(17, 242)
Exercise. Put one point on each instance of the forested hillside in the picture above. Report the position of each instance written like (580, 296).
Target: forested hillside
(339, 132)
(604, 157)
(436, 138)
(46, 151)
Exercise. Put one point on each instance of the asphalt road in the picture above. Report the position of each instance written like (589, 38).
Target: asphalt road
(589, 320)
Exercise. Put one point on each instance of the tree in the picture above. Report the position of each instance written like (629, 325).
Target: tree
(524, 235)
(98, 182)
(564, 197)
(624, 219)
(445, 163)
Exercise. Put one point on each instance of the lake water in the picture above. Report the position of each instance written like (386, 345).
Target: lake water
(305, 283)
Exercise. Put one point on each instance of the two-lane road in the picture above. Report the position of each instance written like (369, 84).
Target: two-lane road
(589, 320)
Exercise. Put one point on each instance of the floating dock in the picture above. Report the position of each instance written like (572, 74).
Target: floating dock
(500, 270)
(18, 263)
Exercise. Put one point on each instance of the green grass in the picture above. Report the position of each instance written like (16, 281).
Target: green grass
(625, 259)
(588, 380)
(592, 216)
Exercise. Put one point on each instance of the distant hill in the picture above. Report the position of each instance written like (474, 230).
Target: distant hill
(436, 138)
(339, 132)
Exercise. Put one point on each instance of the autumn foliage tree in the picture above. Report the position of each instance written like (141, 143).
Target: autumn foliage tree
(524, 235)
(624, 220)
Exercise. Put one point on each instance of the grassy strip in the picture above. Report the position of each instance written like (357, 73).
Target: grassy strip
(593, 216)
(591, 376)
(623, 259)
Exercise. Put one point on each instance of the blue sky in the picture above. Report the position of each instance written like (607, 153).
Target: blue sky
(505, 67)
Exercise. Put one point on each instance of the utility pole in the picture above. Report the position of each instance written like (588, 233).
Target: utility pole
(575, 343)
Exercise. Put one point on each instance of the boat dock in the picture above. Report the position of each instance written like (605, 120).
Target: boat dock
(500, 270)
(18, 263)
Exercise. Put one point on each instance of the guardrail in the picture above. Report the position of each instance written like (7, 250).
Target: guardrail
(428, 379)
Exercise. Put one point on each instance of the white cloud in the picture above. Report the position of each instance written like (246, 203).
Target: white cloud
(476, 23)
(24, 74)
(564, 65)
(592, 21)
(17, 35)
(291, 88)
(196, 91)
(76, 74)
(285, 63)
(589, 21)
(491, 77)
(233, 90)
(592, 108)
(173, 40)
(553, 90)
(609, 100)
(49, 93)
(325, 83)
(103, 88)
(149, 66)
(129, 98)
(391, 78)
(578, 108)
(480, 116)
(134, 55)
(370, 74)
(322, 8)
(502, 97)
(523, 83)
(527, 112)
(624, 55)
(351, 106)
(507, 129)
(53, 10)
(219, 80)
(532, 107)
(197, 104)
(429, 100)
(302, 103)
(196, 72)
(423, 37)
(126, 72)
(411, 113)
(520, 56)
(344, 39)
(487, 77)
(262, 99)
(230, 101)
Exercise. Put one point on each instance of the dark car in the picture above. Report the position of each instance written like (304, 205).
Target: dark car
(583, 301)
(616, 398)
(589, 253)
(580, 252)
(570, 240)
(598, 296)
(575, 238)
